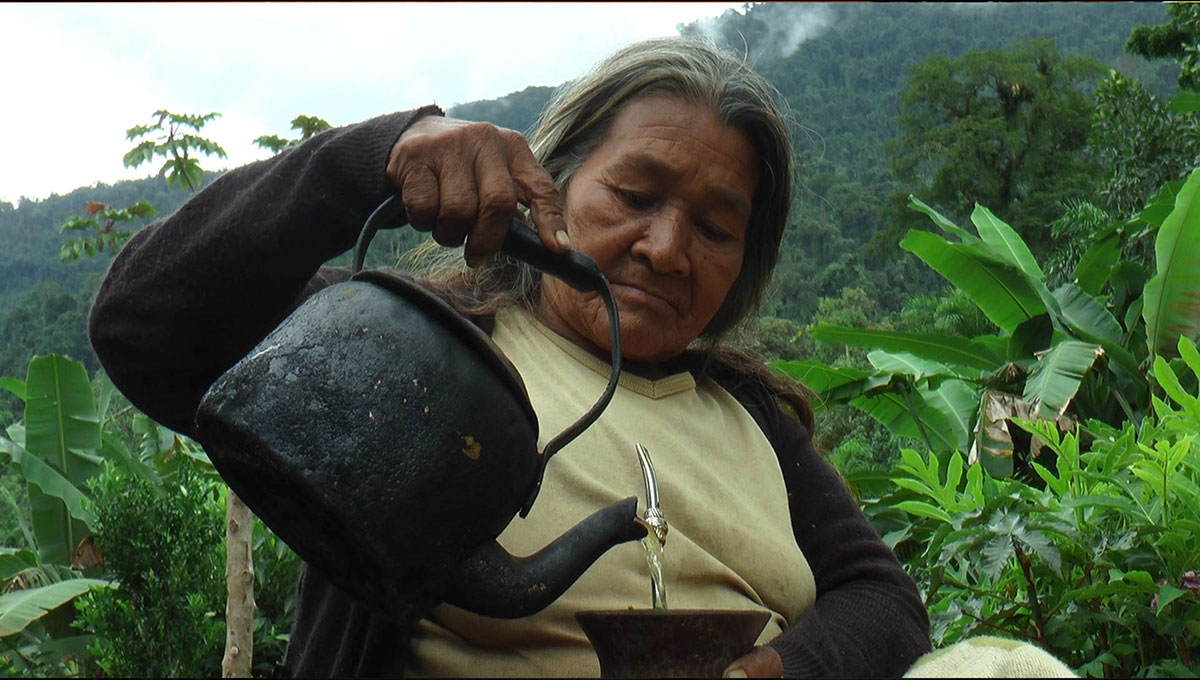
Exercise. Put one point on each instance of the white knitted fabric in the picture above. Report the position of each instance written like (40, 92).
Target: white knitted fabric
(989, 657)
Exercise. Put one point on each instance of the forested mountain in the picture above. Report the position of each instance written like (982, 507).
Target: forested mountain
(31, 236)
(841, 67)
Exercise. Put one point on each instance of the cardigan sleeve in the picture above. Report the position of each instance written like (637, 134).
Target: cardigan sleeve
(192, 293)
(868, 619)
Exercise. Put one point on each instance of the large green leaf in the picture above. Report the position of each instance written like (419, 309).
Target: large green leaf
(941, 347)
(1171, 304)
(817, 376)
(1056, 377)
(20, 608)
(1096, 264)
(958, 401)
(32, 657)
(13, 560)
(44, 480)
(992, 443)
(1184, 103)
(1089, 320)
(13, 385)
(908, 364)
(63, 433)
(1160, 205)
(941, 221)
(116, 451)
(1004, 239)
(892, 410)
(999, 289)
(832, 385)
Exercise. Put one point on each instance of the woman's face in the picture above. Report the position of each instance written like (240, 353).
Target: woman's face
(662, 206)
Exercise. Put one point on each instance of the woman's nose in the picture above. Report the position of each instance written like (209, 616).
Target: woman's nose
(663, 243)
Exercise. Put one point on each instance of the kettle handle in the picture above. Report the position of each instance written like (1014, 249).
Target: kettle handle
(573, 267)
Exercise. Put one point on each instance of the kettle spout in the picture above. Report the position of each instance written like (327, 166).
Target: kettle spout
(494, 583)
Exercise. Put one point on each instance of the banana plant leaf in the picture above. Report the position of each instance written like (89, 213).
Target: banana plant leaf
(116, 451)
(1000, 290)
(1090, 321)
(14, 560)
(945, 348)
(817, 376)
(1184, 103)
(941, 221)
(1004, 239)
(1171, 299)
(14, 386)
(62, 431)
(52, 490)
(926, 373)
(1160, 205)
(908, 364)
(1056, 377)
(20, 608)
(26, 659)
(993, 443)
(1030, 337)
(957, 400)
(892, 409)
(832, 385)
(1096, 264)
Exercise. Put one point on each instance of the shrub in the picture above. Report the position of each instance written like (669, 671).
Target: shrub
(165, 548)
(1095, 560)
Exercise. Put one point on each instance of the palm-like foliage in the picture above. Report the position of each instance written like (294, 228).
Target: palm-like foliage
(1069, 352)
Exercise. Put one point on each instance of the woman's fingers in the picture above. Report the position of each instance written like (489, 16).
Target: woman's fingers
(497, 202)
(458, 210)
(761, 662)
(463, 182)
(539, 193)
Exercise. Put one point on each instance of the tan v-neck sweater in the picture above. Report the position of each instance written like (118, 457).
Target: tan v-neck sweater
(730, 544)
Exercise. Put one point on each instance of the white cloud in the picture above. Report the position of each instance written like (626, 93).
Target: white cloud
(76, 76)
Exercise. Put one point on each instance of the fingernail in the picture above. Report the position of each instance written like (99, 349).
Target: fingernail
(562, 238)
(735, 673)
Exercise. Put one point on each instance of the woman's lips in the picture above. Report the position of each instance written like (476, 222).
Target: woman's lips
(639, 295)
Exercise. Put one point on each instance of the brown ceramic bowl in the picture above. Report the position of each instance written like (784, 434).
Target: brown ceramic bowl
(656, 643)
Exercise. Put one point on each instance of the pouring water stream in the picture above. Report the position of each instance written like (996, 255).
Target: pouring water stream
(656, 534)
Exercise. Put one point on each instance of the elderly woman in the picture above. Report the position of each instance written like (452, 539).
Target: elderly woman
(669, 165)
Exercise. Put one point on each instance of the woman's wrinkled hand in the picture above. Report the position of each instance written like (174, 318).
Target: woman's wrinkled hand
(463, 182)
(761, 662)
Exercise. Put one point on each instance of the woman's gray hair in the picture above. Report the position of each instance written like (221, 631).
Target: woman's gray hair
(577, 120)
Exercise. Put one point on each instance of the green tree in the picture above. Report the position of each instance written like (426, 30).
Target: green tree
(307, 126)
(1140, 142)
(1178, 39)
(1006, 129)
(100, 224)
(170, 140)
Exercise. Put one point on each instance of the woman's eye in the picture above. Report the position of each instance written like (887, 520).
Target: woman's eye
(634, 200)
(712, 233)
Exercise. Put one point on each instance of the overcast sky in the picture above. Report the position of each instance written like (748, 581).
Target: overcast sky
(75, 77)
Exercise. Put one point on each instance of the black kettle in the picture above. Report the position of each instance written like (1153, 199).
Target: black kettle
(384, 437)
